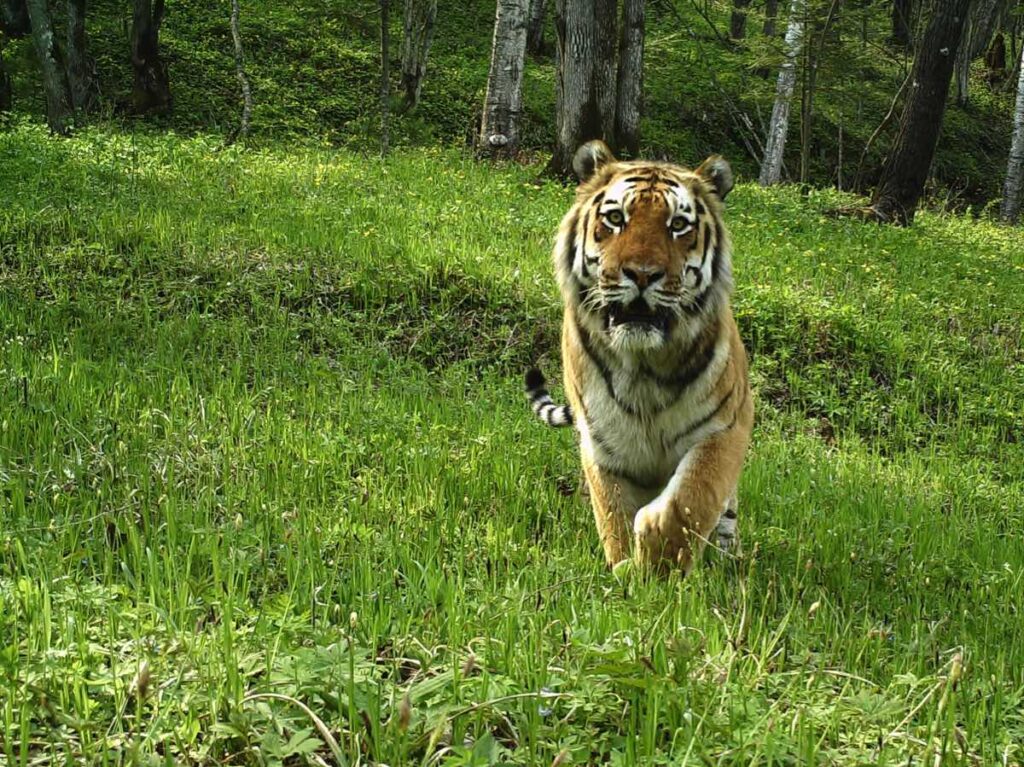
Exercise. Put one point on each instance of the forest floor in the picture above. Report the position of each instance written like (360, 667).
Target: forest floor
(262, 432)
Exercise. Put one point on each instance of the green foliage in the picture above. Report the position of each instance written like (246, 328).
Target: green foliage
(261, 431)
(314, 71)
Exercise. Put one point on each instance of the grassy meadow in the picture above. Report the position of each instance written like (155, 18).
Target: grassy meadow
(262, 434)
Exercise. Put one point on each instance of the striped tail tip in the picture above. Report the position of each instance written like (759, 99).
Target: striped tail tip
(543, 406)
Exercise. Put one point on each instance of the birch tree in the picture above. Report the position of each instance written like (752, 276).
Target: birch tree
(499, 128)
(906, 168)
(55, 84)
(1010, 208)
(417, 36)
(771, 166)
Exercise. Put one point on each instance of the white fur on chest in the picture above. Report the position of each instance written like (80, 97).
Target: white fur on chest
(647, 444)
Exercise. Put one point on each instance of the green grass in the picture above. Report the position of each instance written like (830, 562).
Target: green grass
(261, 431)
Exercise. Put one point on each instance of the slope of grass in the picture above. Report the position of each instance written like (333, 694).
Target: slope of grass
(261, 431)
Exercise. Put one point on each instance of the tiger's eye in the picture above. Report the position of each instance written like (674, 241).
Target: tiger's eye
(615, 217)
(679, 224)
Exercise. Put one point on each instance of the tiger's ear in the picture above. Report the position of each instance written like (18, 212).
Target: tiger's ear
(589, 159)
(716, 171)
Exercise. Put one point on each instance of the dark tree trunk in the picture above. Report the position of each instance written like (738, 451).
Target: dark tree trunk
(152, 90)
(80, 67)
(14, 18)
(417, 36)
(906, 167)
(385, 76)
(995, 60)
(5, 81)
(771, 12)
(585, 78)
(901, 13)
(535, 29)
(499, 128)
(630, 78)
(738, 20)
(55, 84)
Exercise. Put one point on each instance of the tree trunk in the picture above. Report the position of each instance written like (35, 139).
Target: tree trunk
(243, 79)
(417, 35)
(80, 66)
(585, 79)
(385, 76)
(14, 18)
(771, 166)
(810, 84)
(738, 20)
(1015, 166)
(152, 91)
(535, 30)
(5, 80)
(901, 15)
(910, 159)
(629, 95)
(55, 83)
(771, 11)
(982, 22)
(499, 128)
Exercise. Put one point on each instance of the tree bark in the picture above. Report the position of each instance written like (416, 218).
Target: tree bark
(243, 78)
(55, 84)
(385, 76)
(771, 166)
(906, 168)
(771, 11)
(499, 128)
(535, 29)
(80, 66)
(982, 22)
(902, 11)
(585, 78)
(738, 19)
(152, 90)
(6, 99)
(629, 97)
(417, 35)
(1010, 209)
(14, 18)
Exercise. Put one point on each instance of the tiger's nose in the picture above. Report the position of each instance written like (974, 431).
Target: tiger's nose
(643, 275)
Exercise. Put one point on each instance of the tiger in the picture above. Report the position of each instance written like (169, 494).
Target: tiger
(655, 372)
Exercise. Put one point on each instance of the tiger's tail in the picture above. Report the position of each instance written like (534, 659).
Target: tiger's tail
(543, 406)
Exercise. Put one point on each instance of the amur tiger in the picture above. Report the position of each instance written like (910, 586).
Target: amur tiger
(655, 372)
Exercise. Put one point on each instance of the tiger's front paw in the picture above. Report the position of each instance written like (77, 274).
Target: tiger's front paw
(660, 538)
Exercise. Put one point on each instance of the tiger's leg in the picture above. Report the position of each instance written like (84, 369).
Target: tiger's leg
(614, 501)
(673, 527)
(727, 530)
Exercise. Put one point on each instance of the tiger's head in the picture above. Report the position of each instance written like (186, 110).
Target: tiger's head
(643, 256)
